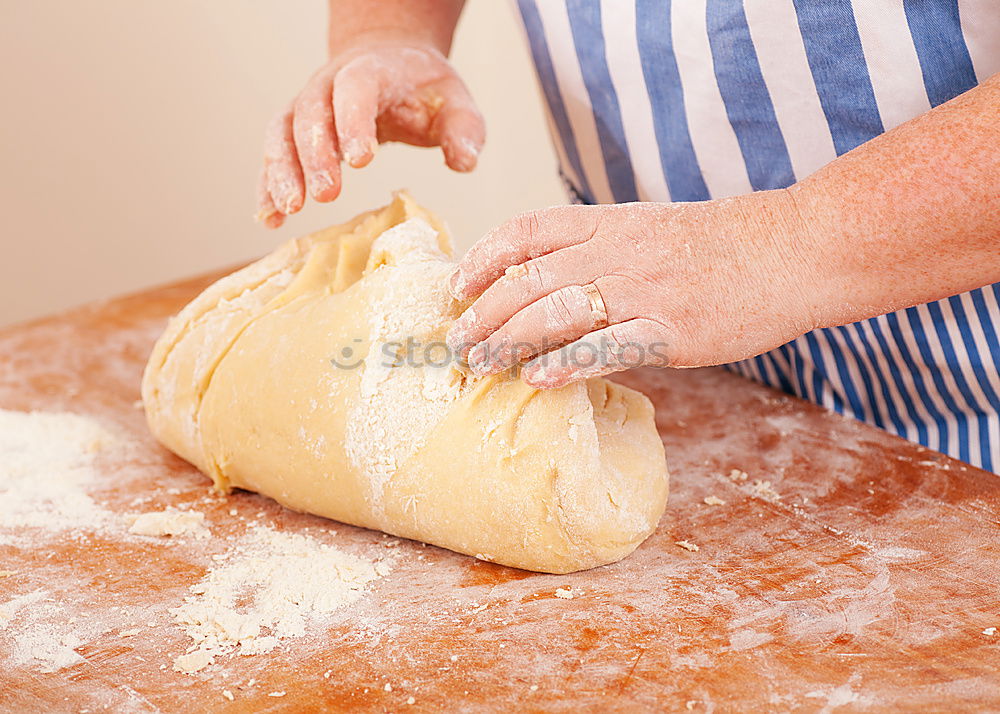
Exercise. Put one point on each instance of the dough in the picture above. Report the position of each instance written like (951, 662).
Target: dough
(292, 378)
(168, 523)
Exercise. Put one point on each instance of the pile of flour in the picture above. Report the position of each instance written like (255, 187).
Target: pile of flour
(46, 460)
(270, 587)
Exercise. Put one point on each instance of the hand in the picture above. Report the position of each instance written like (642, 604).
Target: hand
(381, 91)
(619, 286)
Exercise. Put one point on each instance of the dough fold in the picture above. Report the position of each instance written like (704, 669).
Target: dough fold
(318, 376)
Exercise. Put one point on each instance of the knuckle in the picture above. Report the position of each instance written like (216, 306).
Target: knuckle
(619, 339)
(345, 77)
(344, 73)
(300, 110)
(535, 275)
(627, 347)
(279, 121)
(275, 153)
(559, 313)
(274, 134)
(309, 115)
(527, 225)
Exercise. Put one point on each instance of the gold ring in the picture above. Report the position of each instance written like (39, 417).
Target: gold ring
(598, 310)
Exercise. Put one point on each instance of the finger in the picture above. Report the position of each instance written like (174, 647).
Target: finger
(520, 286)
(356, 91)
(266, 212)
(316, 141)
(557, 319)
(615, 348)
(459, 127)
(527, 236)
(462, 136)
(284, 174)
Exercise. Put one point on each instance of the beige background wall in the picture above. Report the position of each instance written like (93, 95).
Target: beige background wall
(132, 131)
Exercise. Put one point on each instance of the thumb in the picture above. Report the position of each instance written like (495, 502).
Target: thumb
(459, 127)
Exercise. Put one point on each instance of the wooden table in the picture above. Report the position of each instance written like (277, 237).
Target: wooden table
(865, 587)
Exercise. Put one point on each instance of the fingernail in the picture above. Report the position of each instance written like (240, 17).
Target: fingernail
(270, 218)
(458, 334)
(455, 339)
(471, 148)
(456, 284)
(352, 153)
(479, 358)
(357, 151)
(321, 181)
(464, 156)
(536, 373)
(532, 371)
(288, 198)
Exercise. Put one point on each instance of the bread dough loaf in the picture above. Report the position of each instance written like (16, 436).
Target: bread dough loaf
(292, 378)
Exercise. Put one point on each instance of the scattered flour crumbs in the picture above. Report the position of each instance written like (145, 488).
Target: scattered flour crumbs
(268, 587)
(168, 523)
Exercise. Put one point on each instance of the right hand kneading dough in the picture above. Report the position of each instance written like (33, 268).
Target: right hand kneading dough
(294, 378)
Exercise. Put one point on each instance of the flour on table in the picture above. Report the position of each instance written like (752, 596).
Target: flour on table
(34, 632)
(168, 523)
(9, 609)
(270, 587)
(47, 460)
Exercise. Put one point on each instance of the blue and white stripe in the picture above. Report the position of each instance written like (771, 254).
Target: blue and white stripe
(687, 100)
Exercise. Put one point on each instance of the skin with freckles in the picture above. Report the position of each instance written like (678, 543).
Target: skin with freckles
(682, 285)
(907, 218)
(387, 79)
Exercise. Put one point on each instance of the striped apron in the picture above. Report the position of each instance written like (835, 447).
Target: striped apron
(688, 100)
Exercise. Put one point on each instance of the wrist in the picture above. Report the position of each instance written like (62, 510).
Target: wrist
(806, 253)
(788, 245)
(400, 23)
(840, 264)
(346, 48)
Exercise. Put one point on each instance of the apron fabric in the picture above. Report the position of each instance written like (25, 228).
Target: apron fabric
(689, 100)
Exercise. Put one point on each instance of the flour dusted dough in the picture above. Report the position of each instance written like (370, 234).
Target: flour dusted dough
(243, 385)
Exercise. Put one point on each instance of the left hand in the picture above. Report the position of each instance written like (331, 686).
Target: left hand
(618, 286)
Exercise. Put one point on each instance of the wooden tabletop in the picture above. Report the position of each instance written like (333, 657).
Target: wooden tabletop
(849, 571)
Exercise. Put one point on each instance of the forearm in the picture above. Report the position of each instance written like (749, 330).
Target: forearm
(423, 21)
(909, 217)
